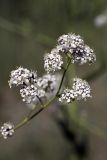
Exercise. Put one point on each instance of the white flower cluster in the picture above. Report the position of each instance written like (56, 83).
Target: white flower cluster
(31, 93)
(79, 51)
(22, 76)
(68, 42)
(72, 44)
(32, 88)
(83, 54)
(7, 130)
(80, 90)
(52, 61)
(45, 87)
(68, 96)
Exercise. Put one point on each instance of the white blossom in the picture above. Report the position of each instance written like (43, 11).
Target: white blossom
(31, 94)
(34, 89)
(81, 88)
(83, 54)
(79, 51)
(89, 56)
(22, 76)
(69, 41)
(52, 61)
(7, 130)
(67, 96)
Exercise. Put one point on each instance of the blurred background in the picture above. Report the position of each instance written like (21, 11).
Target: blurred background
(28, 29)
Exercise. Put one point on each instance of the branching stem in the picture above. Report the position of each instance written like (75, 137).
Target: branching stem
(30, 116)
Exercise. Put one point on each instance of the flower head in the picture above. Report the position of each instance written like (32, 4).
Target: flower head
(82, 54)
(69, 41)
(75, 45)
(45, 87)
(31, 93)
(22, 76)
(7, 130)
(52, 61)
(81, 88)
(67, 96)
(90, 56)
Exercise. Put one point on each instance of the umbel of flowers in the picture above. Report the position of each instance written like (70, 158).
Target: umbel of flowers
(35, 89)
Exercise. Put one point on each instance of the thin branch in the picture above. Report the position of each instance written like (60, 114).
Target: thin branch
(30, 117)
(69, 61)
(27, 119)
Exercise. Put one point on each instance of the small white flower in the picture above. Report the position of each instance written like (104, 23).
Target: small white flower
(83, 54)
(31, 93)
(75, 45)
(67, 96)
(90, 56)
(81, 88)
(52, 61)
(69, 41)
(22, 76)
(7, 130)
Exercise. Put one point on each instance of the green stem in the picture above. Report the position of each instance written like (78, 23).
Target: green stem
(23, 122)
(28, 118)
(40, 101)
(68, 64)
